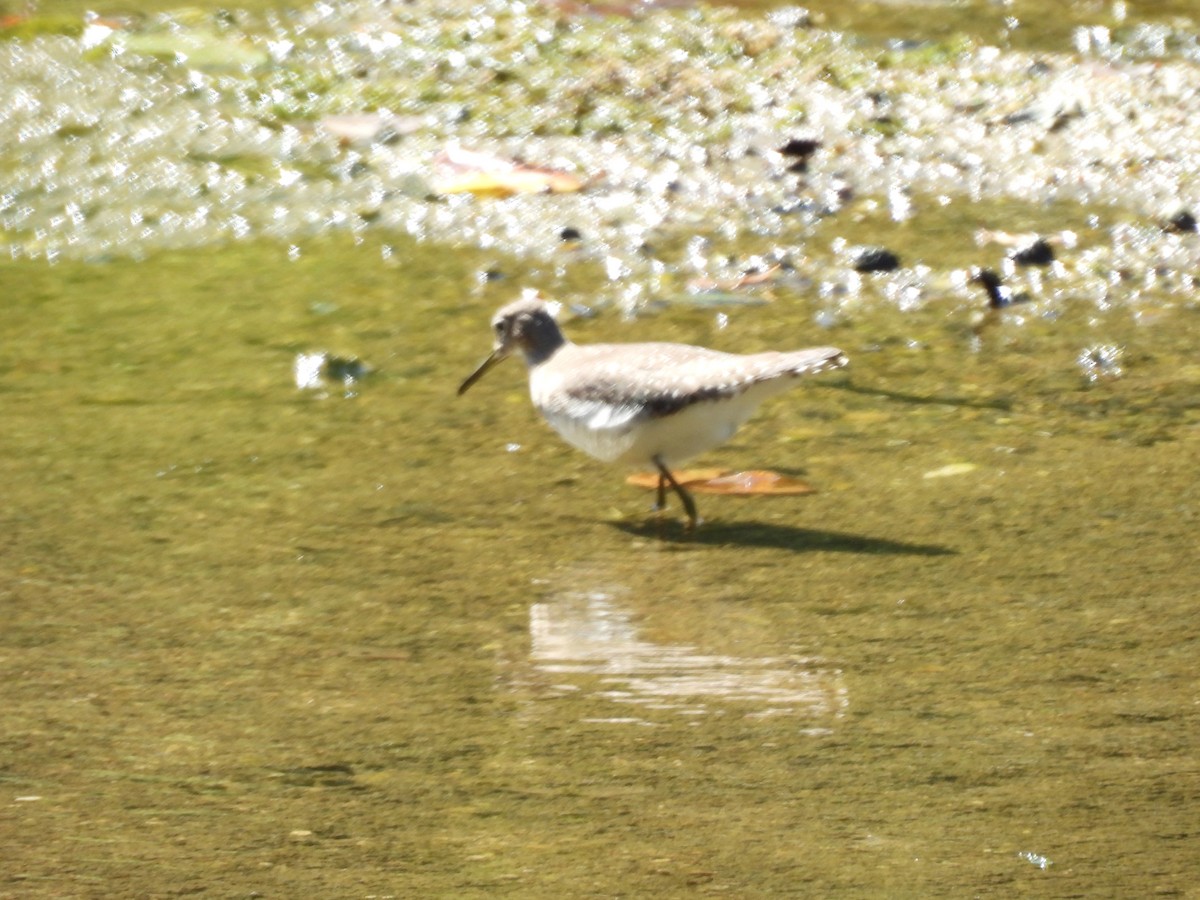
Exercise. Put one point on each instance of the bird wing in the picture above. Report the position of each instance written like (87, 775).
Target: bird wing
(664, 378)
(595, 396)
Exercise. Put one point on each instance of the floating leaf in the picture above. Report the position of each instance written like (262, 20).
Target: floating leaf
(755, 482)
(686, 477)
(953, 469)
(752, 482)
(723, 292)
(504, 184)
(745, 280)
(484, 175)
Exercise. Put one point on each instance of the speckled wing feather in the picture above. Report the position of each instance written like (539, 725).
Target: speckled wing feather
(664, 378)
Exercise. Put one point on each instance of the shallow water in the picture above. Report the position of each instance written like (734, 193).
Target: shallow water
(365, 638)
(273, 640)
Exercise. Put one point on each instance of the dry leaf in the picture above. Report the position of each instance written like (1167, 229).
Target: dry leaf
(753, 482)
(951, 470)
(485, 175)
(747, 279)
(686, 477)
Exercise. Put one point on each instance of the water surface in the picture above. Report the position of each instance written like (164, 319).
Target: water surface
(264, 639)
(365, 638)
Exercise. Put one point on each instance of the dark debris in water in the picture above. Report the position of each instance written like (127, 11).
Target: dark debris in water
(798, 151)
(999, 296)
(1183, 222)
(1036, 253)
(872, 259)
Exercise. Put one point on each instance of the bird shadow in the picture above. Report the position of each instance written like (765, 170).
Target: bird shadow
(1003, 404)
(784, 537)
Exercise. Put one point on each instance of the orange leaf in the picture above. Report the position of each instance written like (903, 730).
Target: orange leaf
(506, 184)
(686, 477)
(753, 482)
(756, 482)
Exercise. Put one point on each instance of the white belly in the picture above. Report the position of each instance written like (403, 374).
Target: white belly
(617, 434)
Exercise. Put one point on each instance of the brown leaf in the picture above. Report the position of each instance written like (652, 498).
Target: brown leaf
(752, 482)
(686, 477)
(484, 175)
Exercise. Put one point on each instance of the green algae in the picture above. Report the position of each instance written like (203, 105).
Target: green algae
(267, 639)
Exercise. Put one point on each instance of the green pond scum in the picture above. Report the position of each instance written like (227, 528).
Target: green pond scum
(280, 615)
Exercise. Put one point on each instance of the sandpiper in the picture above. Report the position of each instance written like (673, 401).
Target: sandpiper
(650, 405)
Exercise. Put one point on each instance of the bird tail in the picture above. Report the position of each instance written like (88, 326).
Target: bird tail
(813, 360)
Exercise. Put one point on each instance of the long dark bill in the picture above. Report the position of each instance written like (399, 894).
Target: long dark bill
(478, 373)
